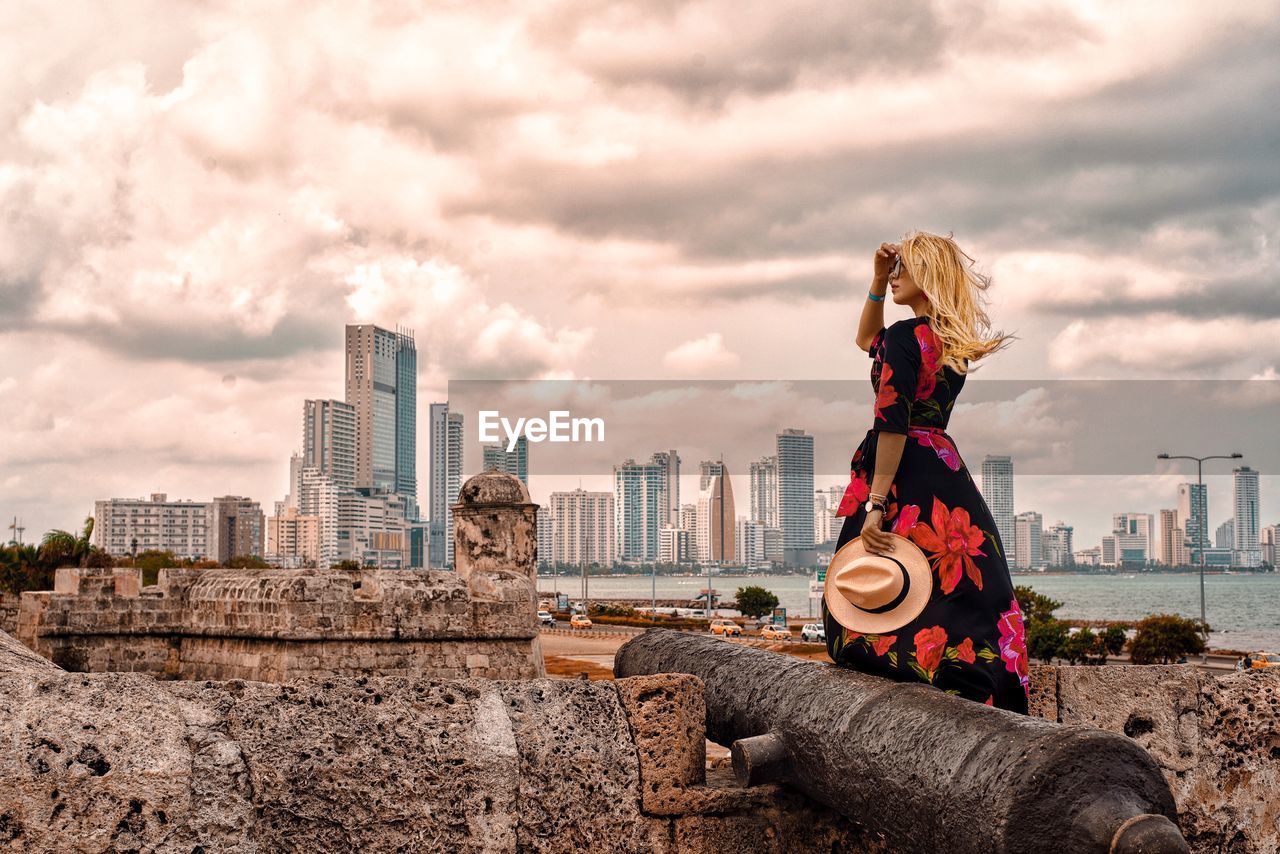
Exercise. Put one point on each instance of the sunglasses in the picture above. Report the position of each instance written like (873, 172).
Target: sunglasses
(897, 268)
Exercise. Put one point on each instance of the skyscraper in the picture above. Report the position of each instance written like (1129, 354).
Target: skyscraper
(1173, 540)
(444, 474)
(1247, 543)
(716, 516)
(1057, 545)
(382, 369)
(1193, 518)
(671, 461)
(641, 507)
(584, 529)
(1028, 528)
(764, 491)
(795, 495)
(997, 491)
(238, 530)
(1133, 537)
(514, 462)
(329, 440)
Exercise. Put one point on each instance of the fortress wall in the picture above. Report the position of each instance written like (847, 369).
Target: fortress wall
(1215, 738)
(124, 762)
(9, 612)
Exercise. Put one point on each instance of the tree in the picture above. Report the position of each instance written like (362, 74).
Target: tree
(248, 562)
(1035, 607)
(754, 601)
(1046, 639)
(1165, 638)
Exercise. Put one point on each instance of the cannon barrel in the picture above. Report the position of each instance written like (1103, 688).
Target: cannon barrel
(926, 770)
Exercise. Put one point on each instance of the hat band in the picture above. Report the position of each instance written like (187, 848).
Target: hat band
(897, 600)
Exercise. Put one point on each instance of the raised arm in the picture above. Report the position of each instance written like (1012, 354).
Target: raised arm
(872, 319)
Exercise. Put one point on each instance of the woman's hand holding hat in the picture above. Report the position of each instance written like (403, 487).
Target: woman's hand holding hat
(876, 540)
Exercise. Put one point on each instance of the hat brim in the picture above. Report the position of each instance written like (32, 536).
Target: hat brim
(855, 619)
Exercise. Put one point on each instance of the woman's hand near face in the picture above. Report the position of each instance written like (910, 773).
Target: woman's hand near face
(884, 258)
(874, 537)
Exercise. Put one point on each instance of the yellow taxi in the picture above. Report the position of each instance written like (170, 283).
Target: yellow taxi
(579, 621)
(775, 633)
(726, 627)
(1259, 661)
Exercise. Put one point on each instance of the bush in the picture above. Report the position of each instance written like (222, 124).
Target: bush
(1164, 638)
(755, 601)
(1046, 639)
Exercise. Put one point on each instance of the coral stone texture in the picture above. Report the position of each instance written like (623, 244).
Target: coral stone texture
(119, 762)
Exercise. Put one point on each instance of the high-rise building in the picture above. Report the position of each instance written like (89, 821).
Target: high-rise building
(1028, 528)
(372, 528)
(826, 524)
(764, 491)
(1057, 545)
(1248, 525)
(238, 528)
(1193, 518)
(1133, 533)
(641, 507)
(514, 462)
(445, 476)
(546, 534)
(293, 540)
(318, 497)
(716, 516)
(329, 440)
(124, 526)
(671, 461)
(673, 545)
(689, 520)
(997, 492)
(584, 528)
(795, 495)
(1270, 543)
(382, 389)
(1224, 536)
(752, 542)
(1173, 541)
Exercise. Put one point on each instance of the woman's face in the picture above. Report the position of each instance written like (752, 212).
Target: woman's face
(905, 290)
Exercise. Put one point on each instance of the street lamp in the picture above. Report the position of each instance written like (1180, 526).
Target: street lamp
(1202, 522)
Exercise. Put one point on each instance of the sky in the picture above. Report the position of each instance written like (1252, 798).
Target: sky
(197, 197)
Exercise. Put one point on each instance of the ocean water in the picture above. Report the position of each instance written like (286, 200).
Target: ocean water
(1243, 609)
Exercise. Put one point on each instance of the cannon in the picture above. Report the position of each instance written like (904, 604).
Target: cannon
(925, 770)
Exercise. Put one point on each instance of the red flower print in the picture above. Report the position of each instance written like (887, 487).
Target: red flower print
(884, 643)
(930, 359)
(942, 446)
(964, 651)
(907, 518)
(854, 494)
(886, 394)
(954, 542)
(1013, 644)
(930, 644)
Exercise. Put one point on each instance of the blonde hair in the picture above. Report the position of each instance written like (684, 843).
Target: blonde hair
(956, 298)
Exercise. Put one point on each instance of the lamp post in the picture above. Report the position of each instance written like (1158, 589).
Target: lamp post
(1201, 523)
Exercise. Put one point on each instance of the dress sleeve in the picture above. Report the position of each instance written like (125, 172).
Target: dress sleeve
(897, 379)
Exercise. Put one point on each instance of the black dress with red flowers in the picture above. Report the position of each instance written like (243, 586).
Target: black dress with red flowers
(969, 639)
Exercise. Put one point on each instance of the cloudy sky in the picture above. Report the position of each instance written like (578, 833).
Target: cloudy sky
(196, 197)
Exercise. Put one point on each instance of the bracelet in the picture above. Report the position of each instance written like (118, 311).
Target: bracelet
(875, 298)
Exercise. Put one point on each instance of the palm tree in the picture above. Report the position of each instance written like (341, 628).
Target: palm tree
(21, 569)
(62, 548)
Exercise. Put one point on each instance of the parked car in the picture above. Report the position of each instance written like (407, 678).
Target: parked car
(579, 621)
(813, 633)
(1258, 661)
(547, 619)
(775, 633)
(726, 628)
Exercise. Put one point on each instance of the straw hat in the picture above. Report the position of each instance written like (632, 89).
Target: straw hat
(874, 594)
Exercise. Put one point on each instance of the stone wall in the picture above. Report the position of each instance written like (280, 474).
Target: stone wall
(1216, 739)
(123, 762)
(9, 612)
(278, 625)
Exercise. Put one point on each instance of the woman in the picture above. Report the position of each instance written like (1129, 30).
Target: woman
(969, 639)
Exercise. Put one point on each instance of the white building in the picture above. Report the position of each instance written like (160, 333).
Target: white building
(1057, 545)
(1247, 539)
(641, 507)
(583, 528)
(1270, 545)
(1028, 529)
(826, 524)
(1133, 538)
(1088, 557)
(1173, 540)
(546, 533)
(673, 545)
(329, 440)
(293, 540)
(1193, 518)
(123, 526)
(764, 491)
(444, 472)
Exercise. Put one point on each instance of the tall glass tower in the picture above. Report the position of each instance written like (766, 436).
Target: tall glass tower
(795, 495)
(997, 492)
(382, 373)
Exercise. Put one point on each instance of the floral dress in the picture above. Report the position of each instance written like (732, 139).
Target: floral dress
(969, 639)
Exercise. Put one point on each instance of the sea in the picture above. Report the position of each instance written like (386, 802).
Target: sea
(1243, 610)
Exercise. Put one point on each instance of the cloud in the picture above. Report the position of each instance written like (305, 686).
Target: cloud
(1163, 345)
(701, 356)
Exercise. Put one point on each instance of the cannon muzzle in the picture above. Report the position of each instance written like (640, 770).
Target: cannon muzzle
(925, 770)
